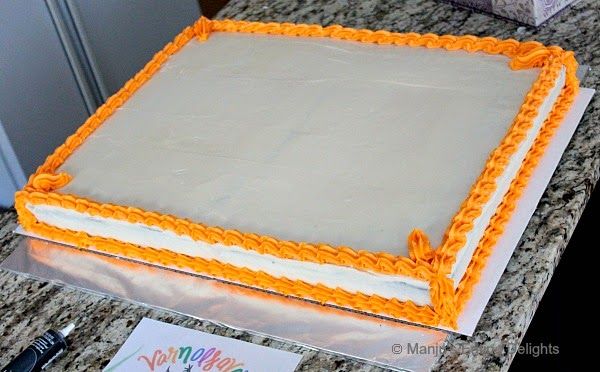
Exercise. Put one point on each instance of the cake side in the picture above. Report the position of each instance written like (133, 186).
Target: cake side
(503, 183)
(39, 191)
(539, 100)
(403, 288)
(493, 232)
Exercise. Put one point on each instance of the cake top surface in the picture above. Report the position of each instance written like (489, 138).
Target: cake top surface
(305, 139)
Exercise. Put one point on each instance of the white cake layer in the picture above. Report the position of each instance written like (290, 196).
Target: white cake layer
(463, 257)
(390, 286)
(309, 140)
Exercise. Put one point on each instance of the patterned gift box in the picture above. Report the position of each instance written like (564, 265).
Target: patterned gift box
(531, 12)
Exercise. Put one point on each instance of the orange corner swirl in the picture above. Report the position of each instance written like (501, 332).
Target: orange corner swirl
(49, 182)
(425, 263)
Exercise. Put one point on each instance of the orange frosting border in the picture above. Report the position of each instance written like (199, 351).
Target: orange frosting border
(425, 262)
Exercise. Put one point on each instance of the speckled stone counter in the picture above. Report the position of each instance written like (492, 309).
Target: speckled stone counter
(28, 306)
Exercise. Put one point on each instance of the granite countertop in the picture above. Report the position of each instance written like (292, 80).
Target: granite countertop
(28, 306)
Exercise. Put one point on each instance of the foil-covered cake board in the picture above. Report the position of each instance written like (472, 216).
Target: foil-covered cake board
(342, 332)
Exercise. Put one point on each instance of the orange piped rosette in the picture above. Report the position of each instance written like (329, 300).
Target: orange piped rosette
(49, 182)
(426, 263)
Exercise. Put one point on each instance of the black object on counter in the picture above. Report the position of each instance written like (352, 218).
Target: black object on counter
(41, 352)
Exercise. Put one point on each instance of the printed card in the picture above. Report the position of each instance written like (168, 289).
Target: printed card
(158, 346)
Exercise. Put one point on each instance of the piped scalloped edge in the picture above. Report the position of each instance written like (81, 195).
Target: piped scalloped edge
(424, 263)
(496, 227)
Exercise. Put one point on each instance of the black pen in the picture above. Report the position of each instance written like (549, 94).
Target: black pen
(41, 352)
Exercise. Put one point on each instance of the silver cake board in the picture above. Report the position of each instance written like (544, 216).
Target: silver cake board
(315, 326)
(380, 341)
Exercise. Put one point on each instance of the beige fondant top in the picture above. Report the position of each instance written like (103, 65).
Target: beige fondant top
(305, 139)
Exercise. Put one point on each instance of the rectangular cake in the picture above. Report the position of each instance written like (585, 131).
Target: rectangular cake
(365, 169)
